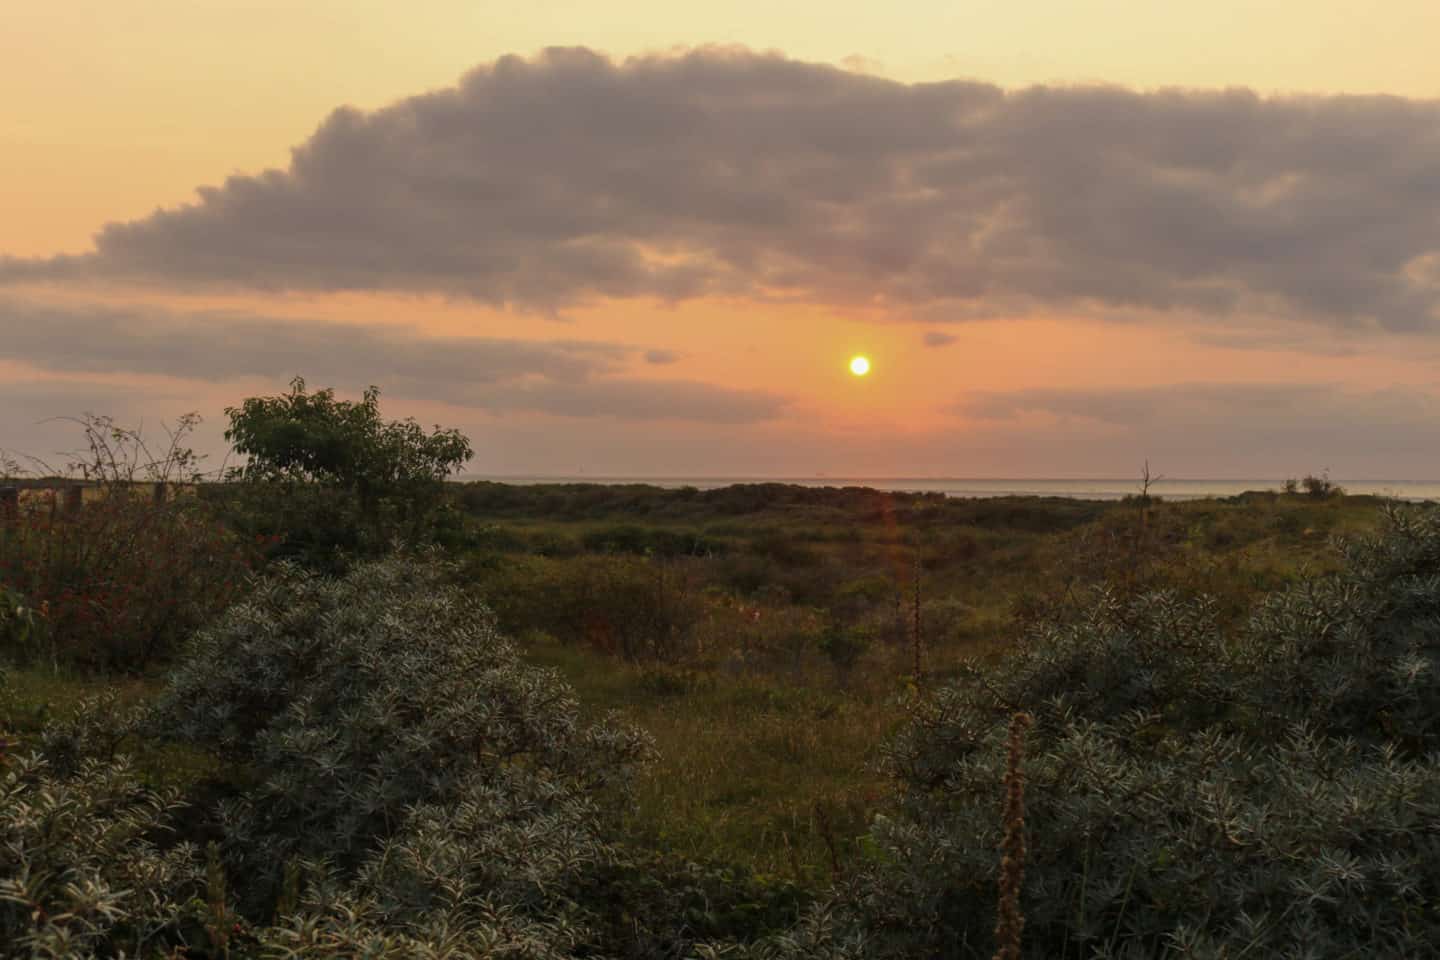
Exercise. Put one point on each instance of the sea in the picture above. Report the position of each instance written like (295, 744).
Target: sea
(1079, 489)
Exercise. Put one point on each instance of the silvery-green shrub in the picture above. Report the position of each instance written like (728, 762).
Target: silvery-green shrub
(365, 707)
(1192, 791)
(80, 871)
(491, 874)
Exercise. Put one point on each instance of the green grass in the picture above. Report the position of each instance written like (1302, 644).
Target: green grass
(777, 770)
(751, 770)
(770, 763)
(32, 699)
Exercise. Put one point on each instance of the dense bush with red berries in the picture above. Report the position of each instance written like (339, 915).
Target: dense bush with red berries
(120, 582)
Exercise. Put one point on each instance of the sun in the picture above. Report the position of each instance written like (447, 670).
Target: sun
(859, 366)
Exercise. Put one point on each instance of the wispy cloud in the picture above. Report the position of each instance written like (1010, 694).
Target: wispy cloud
(574, 378)
(569, 178)
(1367, 432)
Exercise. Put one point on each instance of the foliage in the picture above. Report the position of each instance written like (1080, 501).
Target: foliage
(356, 700)
(635, 539)
(492, 872)
(117, 579)
(409, 788)
(638, 609)
(1189, 774)
(80, 871)
(843, 648)
(318, 527)
(118, 585)
(18, 620)
(820, 935)
(1320, 487)
(117, 455)
(346, 478)
(314, 438)
(1190, 791)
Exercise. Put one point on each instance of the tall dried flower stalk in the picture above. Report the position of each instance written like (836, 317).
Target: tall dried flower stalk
(1010, 921)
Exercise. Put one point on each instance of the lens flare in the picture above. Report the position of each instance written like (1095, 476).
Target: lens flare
(859, 366)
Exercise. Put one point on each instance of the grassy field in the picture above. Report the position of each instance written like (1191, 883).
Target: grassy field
(704, 617)
(768, 752)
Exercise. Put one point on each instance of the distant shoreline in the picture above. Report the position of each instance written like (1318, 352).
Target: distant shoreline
(1109, 488)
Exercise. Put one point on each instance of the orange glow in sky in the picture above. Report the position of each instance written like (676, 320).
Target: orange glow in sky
(736, 311)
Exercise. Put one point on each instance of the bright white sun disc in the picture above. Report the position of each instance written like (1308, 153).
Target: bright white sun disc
(859, 366)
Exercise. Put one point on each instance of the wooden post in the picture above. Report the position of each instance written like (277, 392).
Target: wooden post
(158, 491)
(74, 499)
(9, 506)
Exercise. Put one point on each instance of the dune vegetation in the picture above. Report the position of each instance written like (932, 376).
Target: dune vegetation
(333, 704)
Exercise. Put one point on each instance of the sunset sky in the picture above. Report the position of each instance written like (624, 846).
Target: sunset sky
(645, 238)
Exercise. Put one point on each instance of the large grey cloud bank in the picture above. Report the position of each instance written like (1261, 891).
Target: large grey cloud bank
(542, 183)
(572, 378)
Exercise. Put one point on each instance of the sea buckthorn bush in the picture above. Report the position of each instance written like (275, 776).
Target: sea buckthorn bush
(87, 865)
(1192, 791)
(370, 705)
(402, 785)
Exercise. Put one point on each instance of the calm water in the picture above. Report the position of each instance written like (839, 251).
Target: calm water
(1102, 489)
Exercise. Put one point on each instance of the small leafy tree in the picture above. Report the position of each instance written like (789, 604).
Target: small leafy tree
(352, 480)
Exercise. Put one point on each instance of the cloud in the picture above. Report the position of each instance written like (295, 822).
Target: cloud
(1227, 426)
(573, 378)
(934, 338)
(569, 178)
(661, 357)
(36, 416)
(626, 400)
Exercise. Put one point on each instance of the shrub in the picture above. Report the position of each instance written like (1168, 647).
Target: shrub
(494, 872)
(844, 648)
(357, 701)
(314, 526)
(633, 539)
(80, 872)
(406, 787)
(330, 473)
(118, 583)
(18, 620)
(1192, 791)
(1319, 487)
(636, 608)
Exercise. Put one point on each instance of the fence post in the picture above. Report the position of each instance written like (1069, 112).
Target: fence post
(74, 498)
(158, 492)
(9, 505)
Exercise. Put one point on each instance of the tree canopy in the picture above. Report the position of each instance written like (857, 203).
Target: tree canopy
(315, 438)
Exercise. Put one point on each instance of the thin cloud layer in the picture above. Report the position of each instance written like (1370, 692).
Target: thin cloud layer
(1364, 431)
(538, 184)
(573, 378)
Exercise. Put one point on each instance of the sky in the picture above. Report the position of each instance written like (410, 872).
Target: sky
(644, 239)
